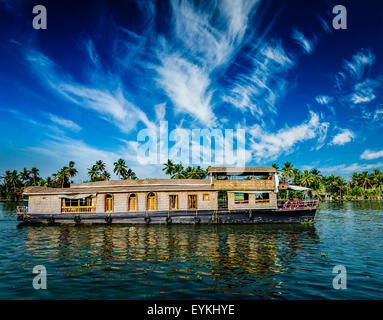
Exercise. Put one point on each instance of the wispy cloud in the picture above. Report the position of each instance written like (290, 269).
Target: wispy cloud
(204, 38)
(69, 124)
(323, 99)
(370, 155)
(364, 92)
(269, 146)
(350, 168)
(306, 44)
(187, 87)
(343, 137)
(264, 83)
(108, 104)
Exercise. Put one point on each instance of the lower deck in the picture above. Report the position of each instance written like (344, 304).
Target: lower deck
(244, 216)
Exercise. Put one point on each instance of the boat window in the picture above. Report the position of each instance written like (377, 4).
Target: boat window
(192, 201)
(262, 197)
(108, 203)
(173, 201)
(240, 198)
(82, 205)
(132, 205)
(151, 201)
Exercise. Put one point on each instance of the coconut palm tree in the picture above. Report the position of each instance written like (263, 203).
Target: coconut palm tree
(366, 180)
(276, 167)
(120, 168)
(24, 175)
(130, 174)
(341, 185)
(287, 171)
(35, 174)
(93, 173)
(72, 171)
(13, 180)
(105, 175)
(63, 176)
(178, 172)
(168, 167)
(100, 165)
(306, 179)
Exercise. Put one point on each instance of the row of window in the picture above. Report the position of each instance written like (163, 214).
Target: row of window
(151, 202)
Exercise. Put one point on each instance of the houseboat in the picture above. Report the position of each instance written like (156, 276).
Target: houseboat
(230, 195)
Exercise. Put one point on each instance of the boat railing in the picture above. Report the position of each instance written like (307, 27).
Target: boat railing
(22, 209)
(79, 209)
(295, 204)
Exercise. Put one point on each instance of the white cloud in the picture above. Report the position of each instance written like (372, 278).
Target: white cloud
(205, 38)
(266, 145)
(370, 155)
(350, 168)
(359, 63)
(343, 137)
(305, 43)
(364, 92)
(187, 86)
(323, 99)
(69, 124)
(111, 105)
(264, 82)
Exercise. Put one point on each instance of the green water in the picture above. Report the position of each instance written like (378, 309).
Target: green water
(197, 262)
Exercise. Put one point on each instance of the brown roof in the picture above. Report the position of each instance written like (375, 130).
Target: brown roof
(126, 186)
(241, 170)
(140, 182)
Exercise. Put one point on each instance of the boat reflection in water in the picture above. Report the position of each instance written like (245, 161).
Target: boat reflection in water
(175, 262)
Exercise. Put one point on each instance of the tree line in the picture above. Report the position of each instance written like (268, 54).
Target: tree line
(360, 186)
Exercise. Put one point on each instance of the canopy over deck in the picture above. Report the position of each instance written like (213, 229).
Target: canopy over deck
(240, 171)
(298, 188)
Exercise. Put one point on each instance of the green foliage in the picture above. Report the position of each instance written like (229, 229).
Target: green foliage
(177, 171)
(361, 186)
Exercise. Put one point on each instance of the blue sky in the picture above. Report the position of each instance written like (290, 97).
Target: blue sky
(82, 89)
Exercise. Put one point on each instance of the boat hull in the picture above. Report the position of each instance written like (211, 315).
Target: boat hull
(180, 217)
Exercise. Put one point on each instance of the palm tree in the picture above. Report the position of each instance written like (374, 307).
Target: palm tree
(105, 175)
(276, 167)
(71, 169)
(306, 179)
(168, 167)
(287, 172)
(178, 172)
(93, 173)
(120, 168)
(63, 176)
(35, 174)
(100, 165)
(13, 180)
(317, 178)
(340, 185)
(24, 175)
(130, 174)
(366, 180)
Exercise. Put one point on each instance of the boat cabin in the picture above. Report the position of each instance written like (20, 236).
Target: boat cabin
(227, 188)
